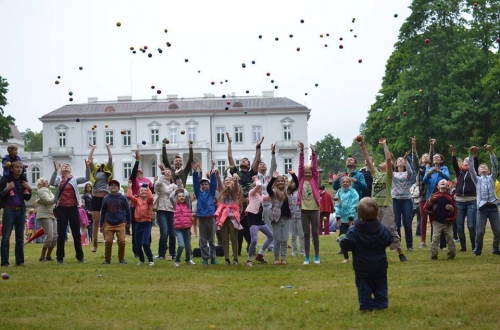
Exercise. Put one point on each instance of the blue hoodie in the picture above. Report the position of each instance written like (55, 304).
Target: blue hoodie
(115, 210)
(368, 240)
(431, 179)
(205, 206)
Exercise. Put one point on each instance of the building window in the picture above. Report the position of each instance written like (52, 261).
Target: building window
(35, 174)
(172, 134)
(256, 133)
(221, 166)
(127, 138)
(109, 137)
(191, 133)
(287, 133)
(127, 170)
(237, 163)
(92, 138)
(155, 135)
(221, 133)
(153, 168)
(288, 164)
(238, 134)
(62, 140)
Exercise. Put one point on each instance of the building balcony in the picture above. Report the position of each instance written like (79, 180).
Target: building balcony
(287, 145)
(31, 155)
(61, 151)
(179, 145)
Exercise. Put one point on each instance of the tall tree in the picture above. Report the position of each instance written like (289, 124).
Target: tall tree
(5, 122)
(331, 154)
(33, 141)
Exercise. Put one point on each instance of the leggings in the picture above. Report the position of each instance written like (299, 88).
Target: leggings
(310, 224)
(254, 233)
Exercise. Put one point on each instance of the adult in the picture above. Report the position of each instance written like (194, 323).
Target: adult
(45, 215)
(382, 181)
(368, 179)
(402, 202)
(68, 201)
(245, 173)
(357, 178)
(325, 210)
(421, 167)
(465, 196)
(177, 171)
(264, 176)
(164, 186)
(138, 180)
(99, 177)
(87, 197)
(13, 193)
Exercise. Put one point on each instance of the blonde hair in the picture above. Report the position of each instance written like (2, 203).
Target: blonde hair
(39, 182)
(230, 192)
(280, 193)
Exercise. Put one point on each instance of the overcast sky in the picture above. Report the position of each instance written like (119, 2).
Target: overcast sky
(41, 40)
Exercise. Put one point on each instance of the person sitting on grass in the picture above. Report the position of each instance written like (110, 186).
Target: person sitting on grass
(443, 212)
(368, 240)
(115, 215)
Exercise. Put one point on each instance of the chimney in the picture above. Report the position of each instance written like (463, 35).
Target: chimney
(92, 99)
(125, 98)
(233, 94)
(172, 96)
(267, 93)
(154, 97)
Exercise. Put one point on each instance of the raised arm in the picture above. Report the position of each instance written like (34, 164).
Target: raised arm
(494, 162)
(110, 157)
(274, 165)
(133, 175)
(414, 155)
(301, 160)
(368, 160)
(196, 180)
(388, 156)
(431, 148)
(164, 157)
(230, 151)
(294, 179)
(472, 170)
(91, 154)
(187, 168)
(269, 187)
(213, 182)
(314, 164)
(258, 156)
(454, 161)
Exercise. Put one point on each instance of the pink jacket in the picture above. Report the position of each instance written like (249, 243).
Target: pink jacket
(182, 216)
(223, 211)
(255, 199)
(314, 179)
(84, 219)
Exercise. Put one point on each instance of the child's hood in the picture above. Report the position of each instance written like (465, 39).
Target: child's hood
(371, 230)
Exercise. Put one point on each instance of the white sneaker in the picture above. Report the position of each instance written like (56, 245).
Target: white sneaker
(422, 245)
(345, 261)
(190, 262)
(151, 264)
(176, 264)
(140, 263)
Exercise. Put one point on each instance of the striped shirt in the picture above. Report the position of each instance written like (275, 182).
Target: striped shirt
(485, 185)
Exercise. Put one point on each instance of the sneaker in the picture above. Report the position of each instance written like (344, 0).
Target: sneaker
(496, 252)
(151, 264)
(213, 261)
(204, 262)
(235, 262)
(316, 260)
(159, 257)
(422, 245)
(82, 260)
(345, 261)
(136, 256)
(190, 262)
(456, 240)
(277, 262)
(306, 261)
(176, 264)
(169, 258)
(402, 258)
(340, 252)
(410, 249)
(270, 249)
(228, 262)
(463, 250)
(59, 261)
(140, 263)
(283, 262)
(294, 254)
(260, 258)
(123, 262)
(434, 258)
(105, 262)
(249, 263)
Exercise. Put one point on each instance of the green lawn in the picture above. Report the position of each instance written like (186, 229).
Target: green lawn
(458, 294)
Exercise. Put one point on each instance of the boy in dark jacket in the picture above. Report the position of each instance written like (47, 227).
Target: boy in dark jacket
(367, 240)
(115, 215)
(205, 209)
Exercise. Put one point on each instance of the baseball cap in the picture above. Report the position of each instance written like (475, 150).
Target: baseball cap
(204, 179)
(113, 181)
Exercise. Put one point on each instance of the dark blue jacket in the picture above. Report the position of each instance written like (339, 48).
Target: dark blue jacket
(205, 206)
(368, 240)
(115, 210)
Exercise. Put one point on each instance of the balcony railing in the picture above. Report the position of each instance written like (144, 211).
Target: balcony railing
(291, 144)
(31, 155)
(178, 145)
(61, 151)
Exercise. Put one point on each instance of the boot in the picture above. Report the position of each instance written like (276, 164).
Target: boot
(260, 258)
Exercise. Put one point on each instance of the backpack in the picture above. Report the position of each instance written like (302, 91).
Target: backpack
(415, 191)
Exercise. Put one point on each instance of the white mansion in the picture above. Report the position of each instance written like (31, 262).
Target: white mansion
(129, 125)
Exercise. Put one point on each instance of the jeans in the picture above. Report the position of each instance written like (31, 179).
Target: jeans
(142, 234)
(183, 240)
(13, 219)
(69, 215)
(416, 212)
(469, 210)
(403, 208)
(484, 213)
(165, 221)
(372, 293)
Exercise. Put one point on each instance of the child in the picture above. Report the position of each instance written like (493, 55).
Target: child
(182, 225)
(487, 200)
(30, 228)
(325, 209)
(346, 201)
(143, 217)
(442, 211)
(228, 216)
(194, 219)
(10, 158)
(367, 240)
(84, 223)
(309, 200)
(115, 215)
(204, 191)
(254, 212)
(296, 223)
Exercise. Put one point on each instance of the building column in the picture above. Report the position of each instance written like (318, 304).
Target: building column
(205, 163)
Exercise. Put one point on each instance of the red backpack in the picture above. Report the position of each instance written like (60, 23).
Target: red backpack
(451, 216)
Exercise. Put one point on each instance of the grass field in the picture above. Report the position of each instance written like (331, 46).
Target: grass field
(459, 294)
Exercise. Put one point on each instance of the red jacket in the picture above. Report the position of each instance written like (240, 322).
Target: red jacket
(326, 204)
(182, 216)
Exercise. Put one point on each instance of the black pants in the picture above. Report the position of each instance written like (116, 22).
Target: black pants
(343, 230)
(69, 215)
(245, 232)
(372, 293)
